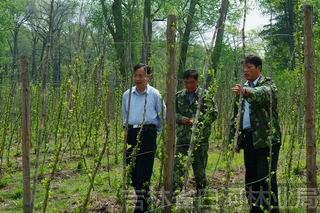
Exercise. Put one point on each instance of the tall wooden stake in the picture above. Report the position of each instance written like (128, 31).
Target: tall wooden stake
(27, 207)
(310, 120)
(171, 111)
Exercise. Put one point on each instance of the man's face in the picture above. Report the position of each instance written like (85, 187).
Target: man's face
(190, 84)
(251, 72)
(140, 77)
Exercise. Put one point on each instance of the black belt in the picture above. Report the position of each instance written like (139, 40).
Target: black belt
(246, 131)
(138, 126)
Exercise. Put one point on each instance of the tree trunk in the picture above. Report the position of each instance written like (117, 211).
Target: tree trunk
(171, 111)
(33, 56)
(57, 62)
(184, 44)
(215, 56)
(147, 32)
(48, 47)
(117, 33)
(291, 32)
(14, 52)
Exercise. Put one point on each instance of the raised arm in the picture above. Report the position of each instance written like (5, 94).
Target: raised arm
(260, 95)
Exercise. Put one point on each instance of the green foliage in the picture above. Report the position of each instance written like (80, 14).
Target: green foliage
(84, 104)
(5, 26)
(17, 194)
(3, 183)
(79, 166)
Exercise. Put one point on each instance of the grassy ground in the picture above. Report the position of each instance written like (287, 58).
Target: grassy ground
(70, 184)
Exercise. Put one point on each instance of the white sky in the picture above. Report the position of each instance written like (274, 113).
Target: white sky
(255, 20)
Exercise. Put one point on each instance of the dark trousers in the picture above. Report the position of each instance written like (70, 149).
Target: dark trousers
(143, 164)
(199, 164)
(257, 175)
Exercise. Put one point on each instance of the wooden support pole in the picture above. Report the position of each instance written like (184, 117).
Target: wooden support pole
(171, 111)
(310, 118)
(25, 93)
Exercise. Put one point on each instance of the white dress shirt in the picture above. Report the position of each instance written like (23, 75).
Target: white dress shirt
(246, 124)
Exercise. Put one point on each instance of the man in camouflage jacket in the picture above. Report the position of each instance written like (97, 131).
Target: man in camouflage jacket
(187, 101)
(259, 130)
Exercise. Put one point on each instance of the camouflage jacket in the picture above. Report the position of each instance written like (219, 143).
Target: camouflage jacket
(259, 98)
(208, 113)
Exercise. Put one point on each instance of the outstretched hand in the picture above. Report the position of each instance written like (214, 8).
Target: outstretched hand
(237, 89)
(186, 121)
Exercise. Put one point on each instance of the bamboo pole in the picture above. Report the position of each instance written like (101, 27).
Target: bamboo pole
(310, 124)
(171, 110)
(25, 94)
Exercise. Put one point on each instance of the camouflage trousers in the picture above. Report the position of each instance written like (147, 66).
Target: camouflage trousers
(199, 164)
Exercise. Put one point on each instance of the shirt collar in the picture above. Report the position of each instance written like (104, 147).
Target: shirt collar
(254, 82)
(134, 90)
(196, 92)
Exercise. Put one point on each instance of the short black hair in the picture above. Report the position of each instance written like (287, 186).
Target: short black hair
(191, 74)
(147, 68)
(253, 59)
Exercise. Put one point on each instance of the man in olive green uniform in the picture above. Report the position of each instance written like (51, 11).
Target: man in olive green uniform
(259, 131)
(187, 101)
